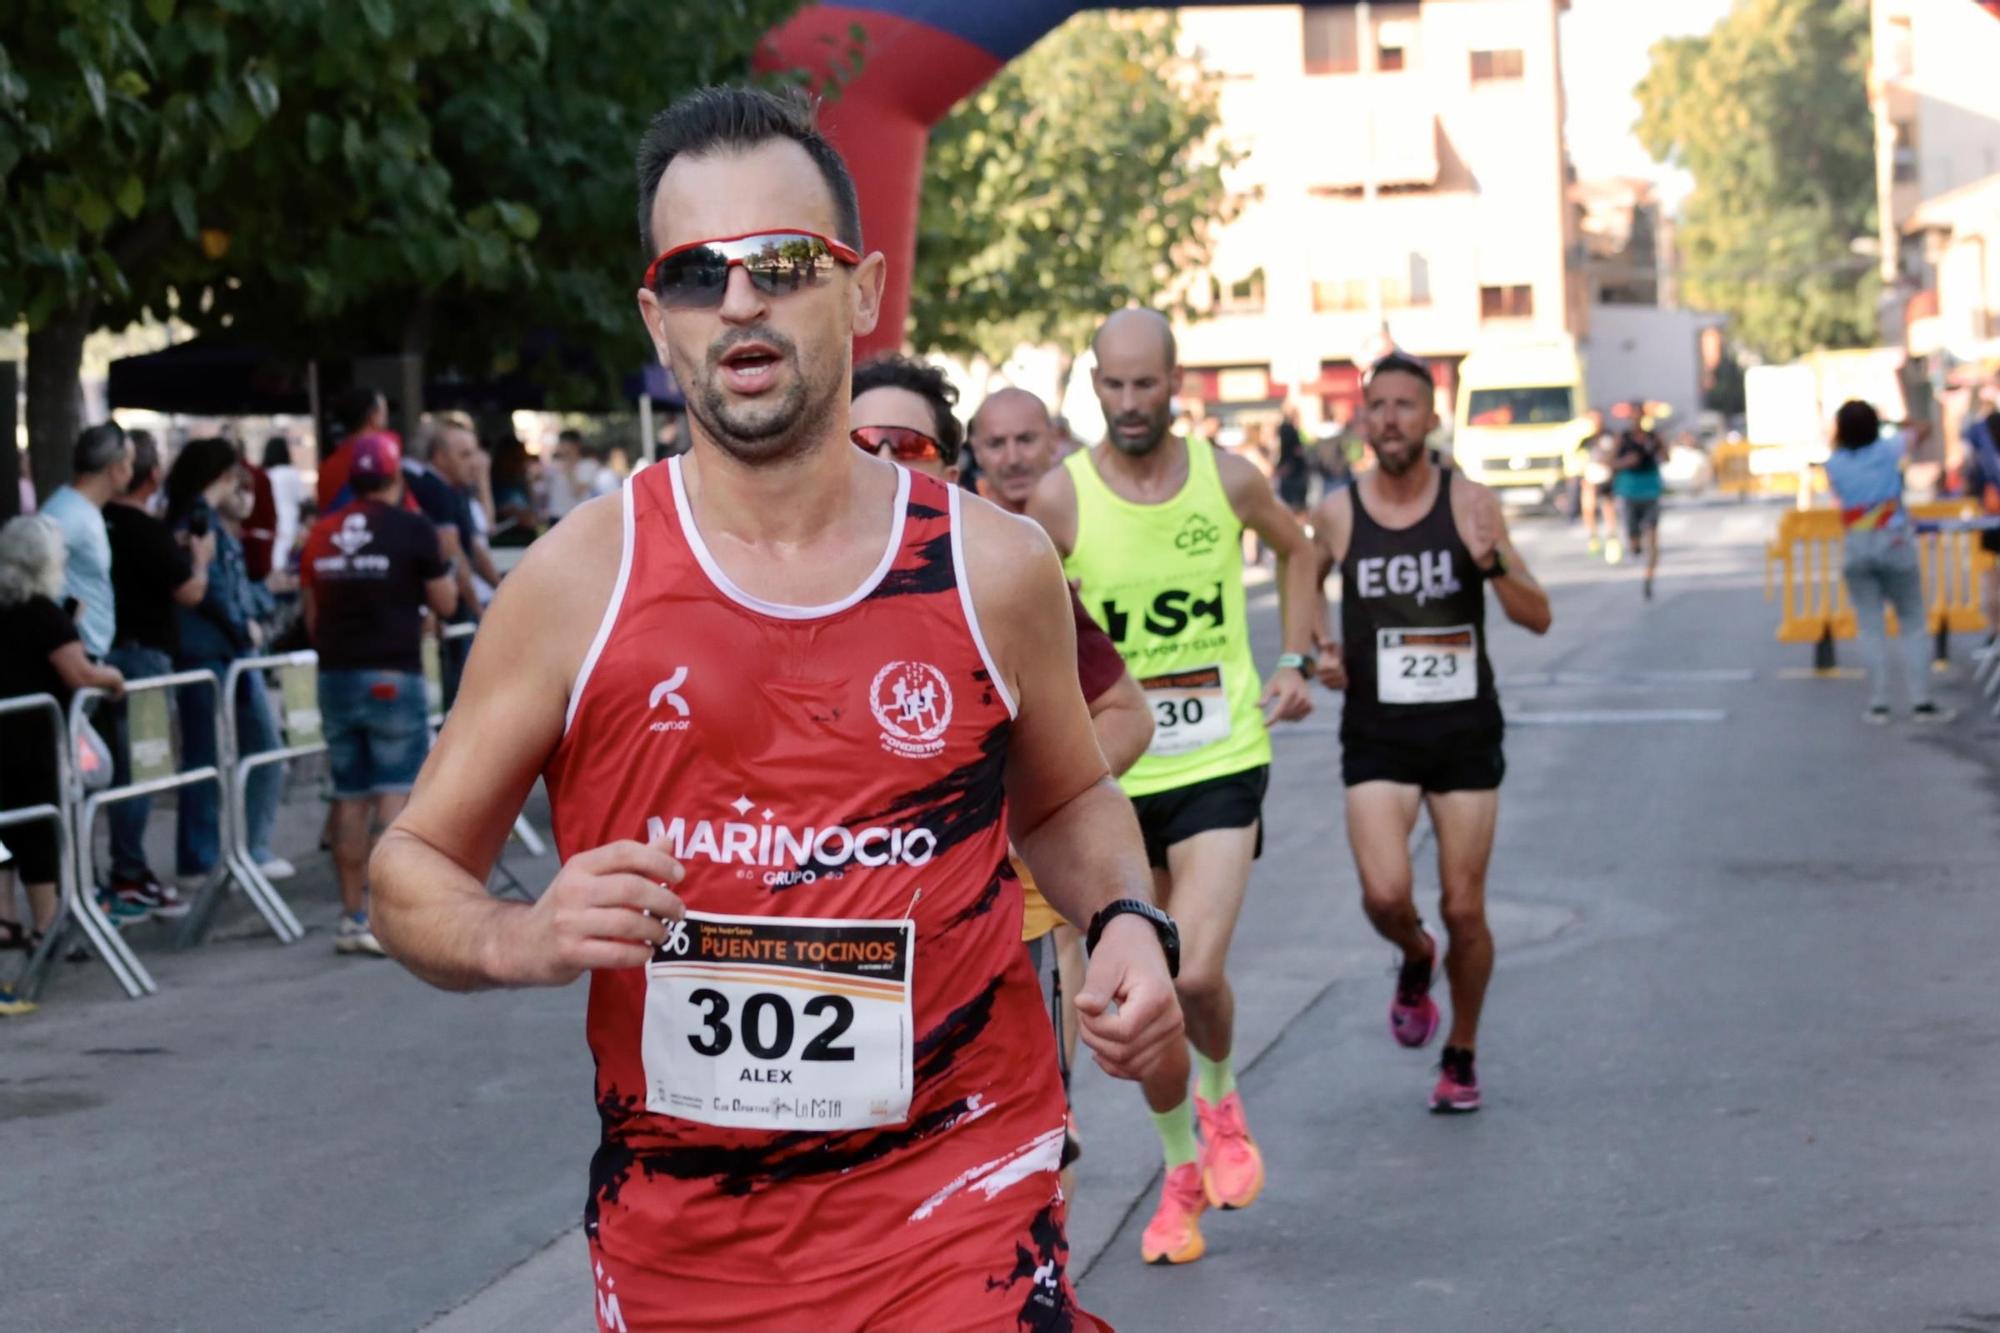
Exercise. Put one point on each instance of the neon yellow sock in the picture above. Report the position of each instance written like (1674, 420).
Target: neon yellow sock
(1177, 1134)
(1215, 1079)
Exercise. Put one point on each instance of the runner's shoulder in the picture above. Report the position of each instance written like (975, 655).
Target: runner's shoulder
(1470, 497)
(1332, 519)
(1007, 555)
(1241, 479)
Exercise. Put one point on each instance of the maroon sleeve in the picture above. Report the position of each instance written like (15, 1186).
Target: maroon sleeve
(1098, 665)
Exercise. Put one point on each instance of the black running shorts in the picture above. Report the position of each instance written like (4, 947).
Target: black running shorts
(1235, 800)
(1461, 761)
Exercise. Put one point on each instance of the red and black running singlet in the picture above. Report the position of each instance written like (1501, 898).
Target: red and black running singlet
(839, 1062)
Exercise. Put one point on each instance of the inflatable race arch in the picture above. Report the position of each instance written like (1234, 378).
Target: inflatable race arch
(920, 57)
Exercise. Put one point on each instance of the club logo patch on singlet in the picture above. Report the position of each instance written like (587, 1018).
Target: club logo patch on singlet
(912, 701)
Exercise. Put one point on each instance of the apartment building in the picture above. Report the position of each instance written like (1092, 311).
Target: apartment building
(1936, 101)
(1410, 183)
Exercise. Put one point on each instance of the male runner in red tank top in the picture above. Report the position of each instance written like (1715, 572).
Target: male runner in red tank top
(789, 702)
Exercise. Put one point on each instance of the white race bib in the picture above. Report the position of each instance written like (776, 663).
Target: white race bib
(1190, 710)
(780, 1023)
(1427, 666)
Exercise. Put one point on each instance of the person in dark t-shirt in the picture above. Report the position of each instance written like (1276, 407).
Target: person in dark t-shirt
(152, 572)
(370, 570)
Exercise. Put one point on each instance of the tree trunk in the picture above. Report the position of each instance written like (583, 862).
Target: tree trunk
(55, 396)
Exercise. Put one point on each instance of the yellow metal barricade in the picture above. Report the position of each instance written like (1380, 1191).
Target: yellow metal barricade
(1803, 569)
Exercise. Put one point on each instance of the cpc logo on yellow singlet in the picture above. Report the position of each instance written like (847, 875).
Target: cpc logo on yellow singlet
(912, 701)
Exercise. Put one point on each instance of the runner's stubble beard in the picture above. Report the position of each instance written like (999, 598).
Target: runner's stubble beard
(770, 427)
(1156, 424)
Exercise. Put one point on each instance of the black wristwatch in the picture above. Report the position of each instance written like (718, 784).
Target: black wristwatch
(1498, 570)
(1163, 925)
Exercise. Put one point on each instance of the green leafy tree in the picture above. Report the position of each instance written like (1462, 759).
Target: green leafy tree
(1769, 113)
(1084, 177)
(441, 178)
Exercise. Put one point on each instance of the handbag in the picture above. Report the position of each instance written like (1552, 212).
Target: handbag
(93, 759)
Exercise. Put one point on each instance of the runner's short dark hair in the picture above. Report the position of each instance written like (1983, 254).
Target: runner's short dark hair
(1403, 363)
(1856, 425)
(891, 371)
(737, 120)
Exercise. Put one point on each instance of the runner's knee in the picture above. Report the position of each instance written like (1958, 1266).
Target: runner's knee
(1201, 984)
(1464, 919)
(1387, 898)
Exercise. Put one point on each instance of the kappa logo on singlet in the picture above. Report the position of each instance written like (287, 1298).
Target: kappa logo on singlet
(668, 692)
(1427, 576)
(779, 854)
(353, 534)
(912, 701)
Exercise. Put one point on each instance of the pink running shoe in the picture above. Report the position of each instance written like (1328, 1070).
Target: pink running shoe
(1413, 1015)
(1457, 1091)
(1232, 1170)
(1174, 1234)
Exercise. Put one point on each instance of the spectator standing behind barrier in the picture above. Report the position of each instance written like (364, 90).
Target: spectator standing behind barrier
(357, 412)
(288, 494)
(1982, 482)
(455, 460)
(40, 653)
(1866, 473)
(205, 483)
(100, 467)
(151, 573)
(370, 570)
(1293, 475)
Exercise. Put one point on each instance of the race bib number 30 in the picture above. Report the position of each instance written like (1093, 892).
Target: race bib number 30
(1427, 666)
(780, 1023)
(1190, 710)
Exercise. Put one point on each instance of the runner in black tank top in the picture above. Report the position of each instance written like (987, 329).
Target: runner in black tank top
(1413, 598)
(1417, 547)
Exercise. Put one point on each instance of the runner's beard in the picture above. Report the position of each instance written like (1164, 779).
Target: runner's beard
(770, 426)
(1397, 457)
(1156, 430)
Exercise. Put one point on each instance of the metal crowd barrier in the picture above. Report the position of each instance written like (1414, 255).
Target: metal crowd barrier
(243, 866)
(85, 806)
(103, 937)
(1807, 557)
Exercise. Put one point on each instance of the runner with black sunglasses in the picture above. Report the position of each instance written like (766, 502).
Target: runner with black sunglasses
(789, 702)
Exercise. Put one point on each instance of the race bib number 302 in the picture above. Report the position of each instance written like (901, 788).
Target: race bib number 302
(1427, 666)
(780, 1023)
(1190, 710)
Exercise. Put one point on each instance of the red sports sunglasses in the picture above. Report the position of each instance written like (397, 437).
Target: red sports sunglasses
(695, 276)
(904, 445)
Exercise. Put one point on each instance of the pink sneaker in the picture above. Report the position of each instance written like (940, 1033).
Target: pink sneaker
(1413, 1015)
(1174, 1234)
(1232, 1170)
(1457, 1091)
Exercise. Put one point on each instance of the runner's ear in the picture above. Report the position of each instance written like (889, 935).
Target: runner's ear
(870, 275)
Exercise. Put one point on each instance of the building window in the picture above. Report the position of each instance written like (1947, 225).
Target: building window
(1905, 155)
(1390, 58)
(1331, 40)
(1400, 291)
(1420, 280)
(1488, 66)
(1242, 297)
(1516, 302)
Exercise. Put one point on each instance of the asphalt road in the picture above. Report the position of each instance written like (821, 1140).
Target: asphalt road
(1738, 1056)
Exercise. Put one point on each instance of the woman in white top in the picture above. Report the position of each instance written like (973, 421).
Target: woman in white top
(288, 491)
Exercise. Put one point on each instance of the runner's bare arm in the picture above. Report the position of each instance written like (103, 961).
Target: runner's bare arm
(1332, 527)
(1070, 821)
(1482, 524)
(1286, 698)
(1123, 723)
(431, 909)
(1053, 505)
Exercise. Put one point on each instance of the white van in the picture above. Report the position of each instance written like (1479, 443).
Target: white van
(1520, 420)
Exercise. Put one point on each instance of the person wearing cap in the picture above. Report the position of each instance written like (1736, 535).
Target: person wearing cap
(371, 569)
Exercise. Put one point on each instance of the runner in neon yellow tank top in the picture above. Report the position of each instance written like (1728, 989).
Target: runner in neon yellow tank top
(1149, 526)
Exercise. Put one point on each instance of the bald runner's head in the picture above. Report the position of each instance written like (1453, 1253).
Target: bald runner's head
(1136, 378)
(1015, 443)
